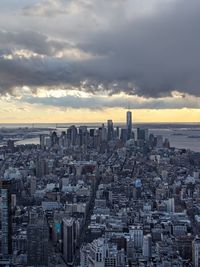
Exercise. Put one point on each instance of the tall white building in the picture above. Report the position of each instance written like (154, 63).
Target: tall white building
(136, 233)
(100, 253)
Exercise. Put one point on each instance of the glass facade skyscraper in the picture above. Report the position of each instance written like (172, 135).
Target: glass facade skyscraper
(129, 124)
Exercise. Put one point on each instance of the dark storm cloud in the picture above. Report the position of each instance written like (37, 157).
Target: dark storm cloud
(156, 54)
(34, 72)
(98, 102)
(149, 54)
(30, 40)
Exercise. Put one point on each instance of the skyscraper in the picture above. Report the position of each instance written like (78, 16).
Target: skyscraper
(69, 240)
(147, 246)
(110, 130)
(6, 218)
(103, 133)
(72, 134)
(123, 135)
(54, 139)
(37, 241)
(42, 141)
(142, 134)
(136, 233)
(129, 124)
(41, 167)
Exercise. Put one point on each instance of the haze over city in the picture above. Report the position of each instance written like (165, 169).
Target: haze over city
(88, 60)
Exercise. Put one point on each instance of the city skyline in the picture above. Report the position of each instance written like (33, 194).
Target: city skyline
(85, 61)
(99, 133)
(100, 196)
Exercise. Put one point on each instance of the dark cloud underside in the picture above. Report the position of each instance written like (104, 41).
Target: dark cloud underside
(149, 54)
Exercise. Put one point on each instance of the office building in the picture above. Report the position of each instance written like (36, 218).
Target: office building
(103, 133)
(110, 130)
(54, 139)
(159, 141)
(6, 218)
(72, 135)
(136, 232)
(41, 167)
(196, 252)
(142, 134)
(129, 124)
(183, 244)
(42, 141)
(69, 237)
(124, 135)
(147, 246)
(101, 253)
(37, 241)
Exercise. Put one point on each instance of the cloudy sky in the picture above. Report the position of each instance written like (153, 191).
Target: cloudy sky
(89, 60)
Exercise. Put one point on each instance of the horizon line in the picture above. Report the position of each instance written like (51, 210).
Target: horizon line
(123, 122)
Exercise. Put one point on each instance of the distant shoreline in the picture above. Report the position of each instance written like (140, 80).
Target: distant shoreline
(42, 126)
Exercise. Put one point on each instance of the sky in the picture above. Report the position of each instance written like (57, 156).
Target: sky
(91, 60)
